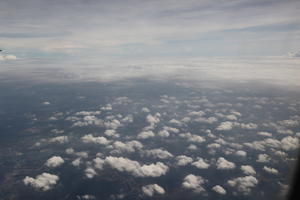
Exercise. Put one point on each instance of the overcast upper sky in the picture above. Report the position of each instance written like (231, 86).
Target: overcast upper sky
(149, 28)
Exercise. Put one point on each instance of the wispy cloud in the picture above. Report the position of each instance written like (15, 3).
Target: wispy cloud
(150, 28)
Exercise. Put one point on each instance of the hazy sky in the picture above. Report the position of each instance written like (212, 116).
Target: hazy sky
(149, 28)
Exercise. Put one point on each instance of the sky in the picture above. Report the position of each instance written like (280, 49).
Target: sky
(131, 29)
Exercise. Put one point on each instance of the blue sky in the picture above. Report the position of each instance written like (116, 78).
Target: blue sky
(142, 29)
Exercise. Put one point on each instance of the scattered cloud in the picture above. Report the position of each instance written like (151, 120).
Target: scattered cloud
(60, 139)
(194, 183)
(224, 164)
(225, 126)
(158, 153)
(201, 164)
(241, 153)
(90, 172)
(126, 147)
(219, 189)
(145, 135)
(76, 162)
(183, 160)
(263, 158)
(44, 181)
(270, 170)
(263, 133)
(248, 170)
(54, 161)
(89, 138)
(290, 143)
(243, 184)
(192, 137)
(135, 168)
(150, 190)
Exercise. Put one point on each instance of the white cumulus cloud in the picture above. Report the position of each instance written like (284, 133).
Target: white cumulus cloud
(219, 189)
(248, 170)
(54, 161)
(44, 181)
(194, 183)
(290, 143)
(222, 163)
(145, 135)
(243, 184)
(158, 153)
(150, 190)
(89, 138)
(135, 168)
(201, 164)
(183, 160)
(270, 170)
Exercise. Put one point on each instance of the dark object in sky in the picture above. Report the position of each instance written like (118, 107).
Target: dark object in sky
(0, 50)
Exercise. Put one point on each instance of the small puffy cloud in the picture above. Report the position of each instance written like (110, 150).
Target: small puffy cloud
(192, 137)
(249, 126)
(163, 133)
(7, 57)
(200, 164)
(192, 147)
(135, 168)
(59, 139)
(112, 124)
(44, 181)
(152, 120)
(270, 170)
(126, 147)
(222, 163)
(257, 145)
(89, 138)
(280, 154)
(241, 153)
(219, 189)
(290, 143)
(194, 183)
(248, 170)
(158, 153)
(54, 161)
(46, 103)
(243, 184)
(263, 133)
(209, 120)
(231, 117)
(111, 133)
(85, 120)
(225, 126)
(263, 158)
(270, 142)
(145, 135)
(150, 190)
(196, 113)
(171, 129)
(183, 160)
(176, 122)
(70, 151)
(213, 146)
(76, 162)
(90, 172)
